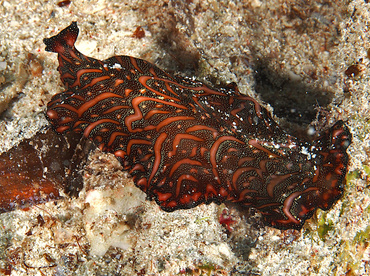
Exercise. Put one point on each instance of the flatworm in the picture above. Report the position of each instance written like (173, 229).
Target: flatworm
(185, 143)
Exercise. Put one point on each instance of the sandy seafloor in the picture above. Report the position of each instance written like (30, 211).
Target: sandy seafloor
(291, 55)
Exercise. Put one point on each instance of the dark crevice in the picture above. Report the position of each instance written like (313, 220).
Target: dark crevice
(293, 100)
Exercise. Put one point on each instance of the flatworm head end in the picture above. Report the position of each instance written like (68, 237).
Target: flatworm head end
(71, 61)
(63, 41)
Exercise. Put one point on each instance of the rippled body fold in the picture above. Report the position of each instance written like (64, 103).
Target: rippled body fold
(185, 143)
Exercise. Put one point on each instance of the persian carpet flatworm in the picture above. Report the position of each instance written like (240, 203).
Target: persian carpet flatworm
(185, 143)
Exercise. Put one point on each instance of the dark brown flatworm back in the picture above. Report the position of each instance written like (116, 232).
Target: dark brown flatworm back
(185, 143)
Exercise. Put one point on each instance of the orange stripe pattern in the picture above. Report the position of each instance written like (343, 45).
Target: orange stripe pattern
(185, 143)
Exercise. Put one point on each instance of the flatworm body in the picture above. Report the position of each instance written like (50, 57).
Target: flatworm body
(185, 143)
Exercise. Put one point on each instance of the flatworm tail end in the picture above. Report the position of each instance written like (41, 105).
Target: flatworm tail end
(63, 41)
(330, 157)
(330, 175)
